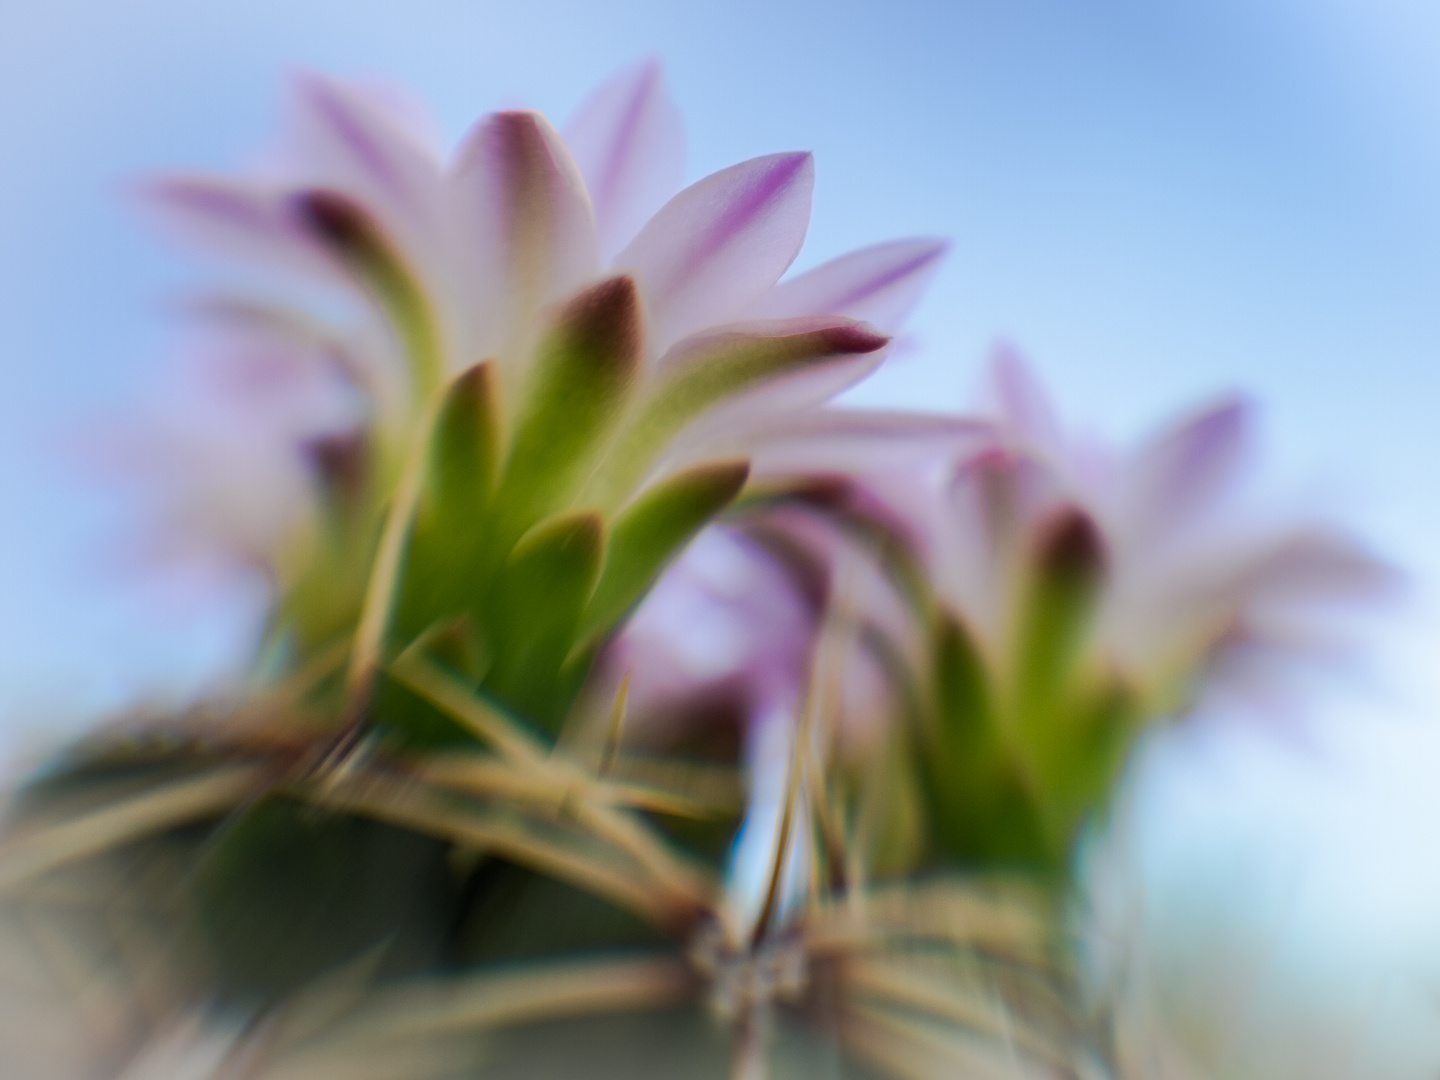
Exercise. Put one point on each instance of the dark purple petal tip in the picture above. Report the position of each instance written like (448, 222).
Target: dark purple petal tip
(1072, 547)
(334, 219)
(855, 338)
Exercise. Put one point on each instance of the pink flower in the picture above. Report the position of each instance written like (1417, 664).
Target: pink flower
(590, 339)
(219, 456)
(766, 581)
(1198, 572)
(1023, 599)
(454, 262)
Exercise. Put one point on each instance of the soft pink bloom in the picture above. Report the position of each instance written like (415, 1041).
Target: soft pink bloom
(221, 453)
(514, 223)
(735, 620)
(1199, 578)
(437, 264)
(1199, 571)
(492, 238)
(726, 622)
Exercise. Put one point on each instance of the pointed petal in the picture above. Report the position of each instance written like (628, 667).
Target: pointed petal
(359, 242)
(444, 573)
(465, 446)
(1179, 472)
(1314, 566)
(709, 368)
(405, 111)
(525, 224)
(731, 426)
(1022, 403)
(1067, 572)
(878, 284)
(235, 219)
(778, 360)
(981, 525)
(720, 243)
(628, 140)
(862, 441)
(343, 139)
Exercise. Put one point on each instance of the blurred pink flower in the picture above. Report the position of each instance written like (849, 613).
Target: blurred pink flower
(1196, 576)
(434, 265)
(218, 457)
(779, 570)
(1200, 569)
(486, 245)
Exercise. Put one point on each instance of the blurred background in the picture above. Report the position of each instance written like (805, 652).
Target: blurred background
(1155, 203)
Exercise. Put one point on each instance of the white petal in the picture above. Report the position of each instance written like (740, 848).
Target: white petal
(714, 248)
(1180, 472)
(235, 219)
(525, 225)
(1022, 403)
(342, 139)
(878, 284)
(628, 140)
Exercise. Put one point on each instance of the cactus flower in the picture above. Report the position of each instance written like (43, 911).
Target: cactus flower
(1029, 599)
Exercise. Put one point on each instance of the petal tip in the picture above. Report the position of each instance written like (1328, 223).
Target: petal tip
(859, 337)
(1071, 544)
(933, 247)
(609, 314)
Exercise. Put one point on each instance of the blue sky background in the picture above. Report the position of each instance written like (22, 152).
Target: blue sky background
(1155, 202)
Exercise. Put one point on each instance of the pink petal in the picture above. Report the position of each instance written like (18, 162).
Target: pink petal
(235, 219)
(879, 284)
(525, 225)
(714, 248)
(345, 140)
(1022, 403)
(350, 141)
(1181, 470)
(628, 140)
(982, 529)
(404, 111)
(863, 441)
(843, 353)
(802, 388)
(1315, 565)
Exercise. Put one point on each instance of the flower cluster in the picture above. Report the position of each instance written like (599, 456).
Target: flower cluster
(598, 626)
(1024, 601)
(589, 329)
